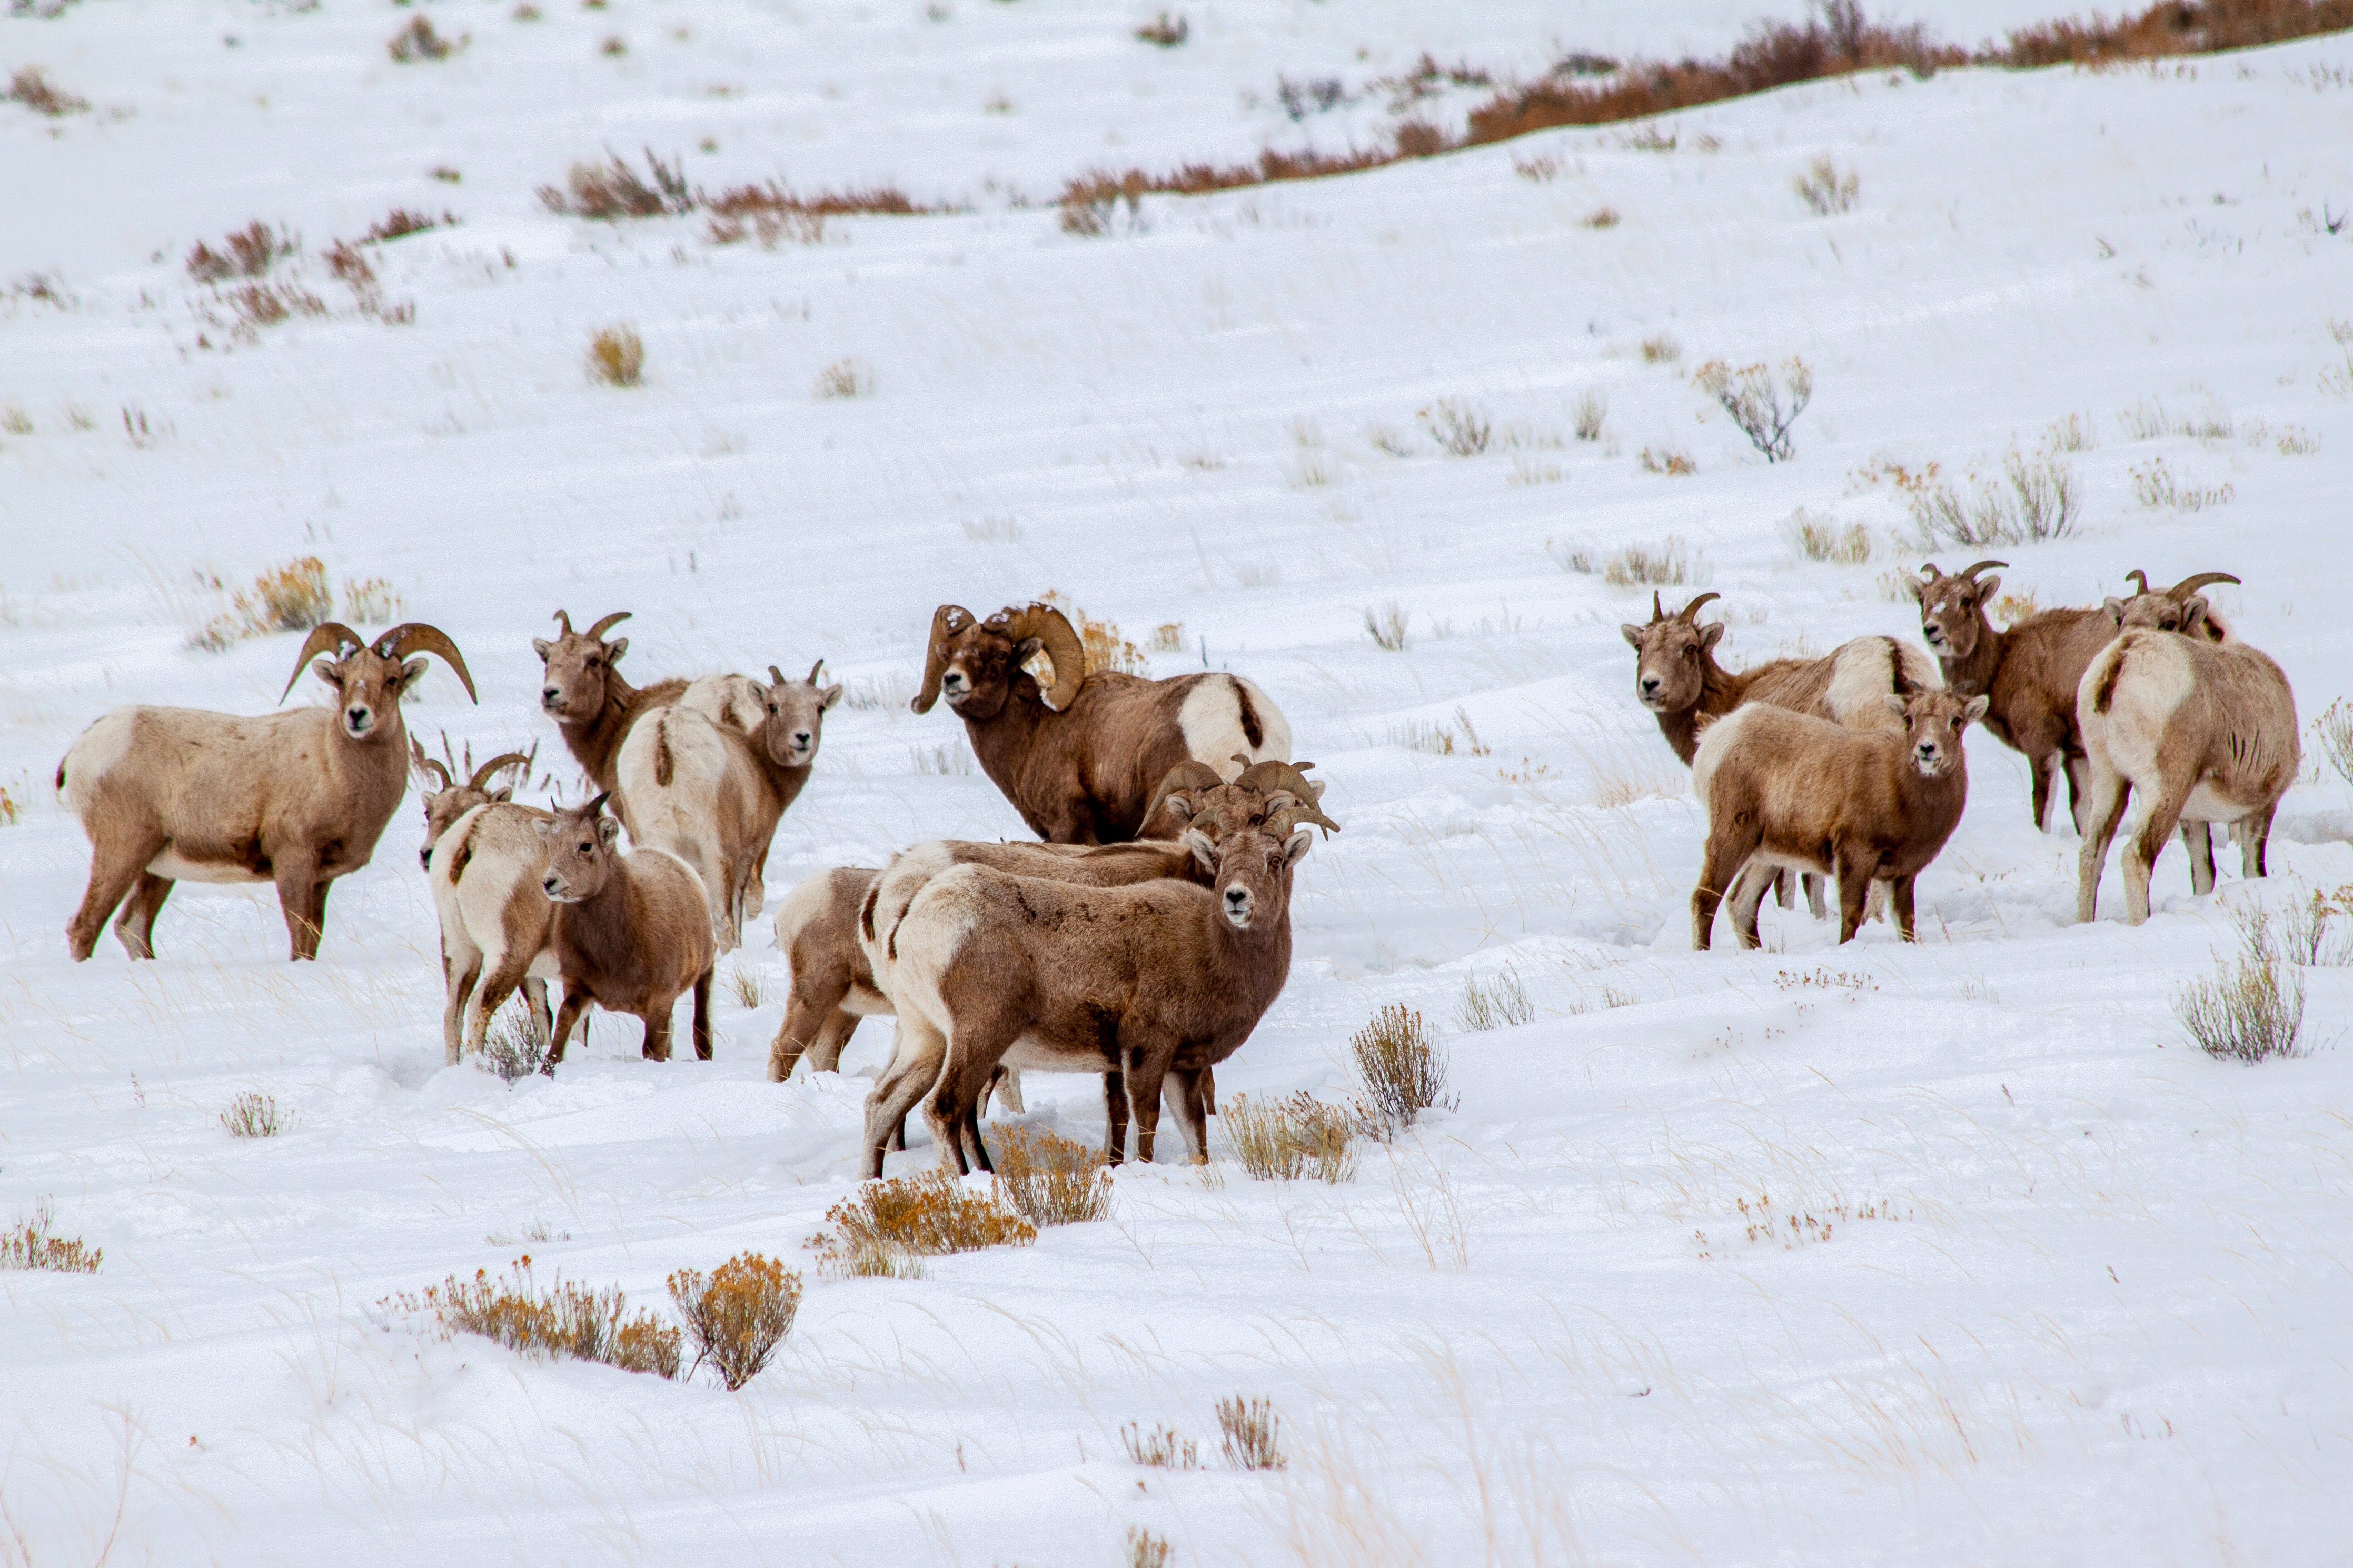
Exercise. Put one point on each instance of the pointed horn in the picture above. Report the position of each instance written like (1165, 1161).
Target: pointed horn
(608, 624)
(426, 765)
(1054, 629)
(2190, 585)
(327, 636)
(815, 670)
(2141, 578)
(564, 621)
(1184, 778)
(776, 676)
(481, 779)
(946, 621)
(416, 636)
(1658, 610)
(1971, 572)
(1689, 612)
(594, 806)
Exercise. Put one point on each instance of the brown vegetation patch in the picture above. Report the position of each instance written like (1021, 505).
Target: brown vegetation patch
(30, 1244)
(1050, 1180)
(889, 1222)
(738, 1314)
(31, 87)
(613, 190)
(565, 1320)
(418, 41)
(251, 252)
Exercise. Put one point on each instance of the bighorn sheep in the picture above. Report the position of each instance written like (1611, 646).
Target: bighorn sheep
(1079, 762)
(1865, 805)
(712, 794)
(487, 874)
(1162, 980)
(2203, 733)
(298, 799)
(2030, 672)
(1677, 679)
(444, 799)
(630, 931)
(584, 693)
(2180, 608)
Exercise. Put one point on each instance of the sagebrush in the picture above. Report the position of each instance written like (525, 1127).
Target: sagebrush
(1251, 1433)
(31, 1244)
(617, 355)
(1284, 1139)
(1052, 1180)
(737, 1315)
(563, 1321)
(1400, 1063)
(928, 1216)
(2252, 1010)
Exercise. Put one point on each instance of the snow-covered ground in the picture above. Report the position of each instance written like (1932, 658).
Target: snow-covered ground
(2087, 1295)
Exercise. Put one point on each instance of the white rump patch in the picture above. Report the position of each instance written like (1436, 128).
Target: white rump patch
(1211, 723)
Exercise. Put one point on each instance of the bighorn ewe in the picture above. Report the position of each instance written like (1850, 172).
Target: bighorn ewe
(296, 799)
(2203, 733)
(1677, 679)
(592, 705)
(1162, 980)
(2031, 670)
(630, 931)
(712, 794)
(487, 874)
(1079, 762)
(2180, 608)
(1788, 789)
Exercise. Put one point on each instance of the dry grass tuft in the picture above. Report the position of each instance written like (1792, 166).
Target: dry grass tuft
(1169, 637)
(2305, 930)
(418, 41)
(371, 601)
(771, 212)
(2253, 1009)
(1825, 188)
(565, 1321)
(401, 222)
(1588, 412)
(289, 598)
(255, 1115)
(738, 1315)
(1282, 1140)
(2035, 499)
(1600, 217)
(617, 355)
(30, 1244)
(2075, 432)
(1166, 31)
(251, 252)
(31, 87)
(1050, 1180)
(1162, 1449)
(1401, 1063)
(1146, 1550)
(928, 1216)
(744, 983)
(1249, 1432)
(850, 377)
(2334, 728)
(889, 692)
(1671, 561)
(1461, 429)
(1820, 538)
(514, 1046)
(1762, 408)
(2156, 489)
(1499, 1002)
(612, 190)
(1660, 348)
(2170, 27)
(12, 811)
(1386, 627)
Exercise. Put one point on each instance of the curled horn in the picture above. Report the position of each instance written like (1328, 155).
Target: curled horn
(2180, 592)
(601, 627)
(1184, 778)
(1970, 573)
(481, 779)
(1687, 614)
(416, 636)
(946, 621)
(426, 765)
(1053, 630)
(1287, 781)
(327, 636)
(2141, 578)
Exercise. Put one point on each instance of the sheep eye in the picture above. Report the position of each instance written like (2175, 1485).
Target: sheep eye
(587, 848)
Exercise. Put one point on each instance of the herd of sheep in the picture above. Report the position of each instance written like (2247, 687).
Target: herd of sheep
(1146, 934)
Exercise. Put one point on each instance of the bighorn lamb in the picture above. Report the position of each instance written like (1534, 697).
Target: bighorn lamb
(630, 931)
(712, 794)
(1788, 789)
(1677, 679)
(2201, 732)
(2030, 672)
(1162, 980)
(298, 799)
(1080, 762)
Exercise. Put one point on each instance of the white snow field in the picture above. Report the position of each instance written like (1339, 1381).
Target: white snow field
(2071, 1291)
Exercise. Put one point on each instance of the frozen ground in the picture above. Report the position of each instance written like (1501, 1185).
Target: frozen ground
(2098, 1309)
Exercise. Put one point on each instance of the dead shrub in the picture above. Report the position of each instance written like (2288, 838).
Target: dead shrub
(1499, 1002)
(617, 355)
(1162, 1449)
(1050, 1180)
(1282, 1140)
(30, 1244)
(418, 41)
(844, 378)
(737, 1316)
(1599, 217)
(2253, 1009)
(773, 213)
(2035, 499)
(1660, 348)
(1166, 31)
(1146, 1550)
(1105, 648)
(370, 600)
(251, 251)
(2171, 27)
(514, 1047)
(611, 191)
(1818, 538)
(2305, 930)
(2155, 488)
(1401, 1063)
(1762, 408)
(1461, 429)
(289, 598)
(254, 1115)
(2334, 728)
(1825, 188)
(259, 305)
(31, 87)
(1249, 1432)
(929, 1215)
(744, 983)
(1169, 637)
(565, 1321)
(1650, 566)
(400, 222)
(1588, 412)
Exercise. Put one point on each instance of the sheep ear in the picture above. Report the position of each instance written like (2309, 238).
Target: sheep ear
(505, 795)
(1711, 634)
(1976, 709)
(1919, 587)
(325, 670)
(607, 830)
(1203, 849)
(411, 673)
(1631, 633)
(1895, 703)
(542, 827)
(541, 646)
(1986, 588)
(827, 697)
(1297, 850)
(615, 650)
(2115, 608)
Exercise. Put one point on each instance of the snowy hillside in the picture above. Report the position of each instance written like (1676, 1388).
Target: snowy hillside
(1960, 1252)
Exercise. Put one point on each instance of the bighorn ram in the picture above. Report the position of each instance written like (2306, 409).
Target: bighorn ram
(298, 799)
(1788, 789)
(630, 931)
(1162, 980)
(2203, 733)
(584, 693)
(2030, 672)
(712, 794)
(1677, 679)
(1079, 762)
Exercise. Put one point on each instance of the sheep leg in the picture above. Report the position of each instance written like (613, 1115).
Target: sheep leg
(534, 996)
(1145, 1074)
(505, 977)
(2104, 810)
(913, 1068)
(1814, 904)
(1899, 896)
(1209, 1081)
(2198, 838)
(2140, 854)
(134, 925)
(2079, 791)
(2042, 768)
(813, 1024)
(1115, 1116)
(575, 1002)
(952, 1109)
(1785, 891)
(656, 1018)
(1007, 1085)
(301, 899)
(1747, 897)
(702, 1013)
(1723, 860)
(2253, 831)
(1191, 1117)
(461, 982)
(114, 871)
